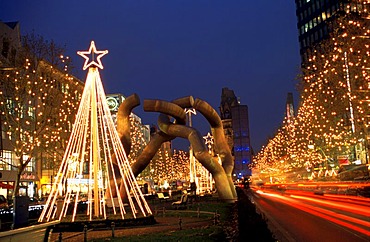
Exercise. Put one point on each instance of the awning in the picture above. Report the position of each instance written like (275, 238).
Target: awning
(10, 176)
(29, 177)
(6, 186)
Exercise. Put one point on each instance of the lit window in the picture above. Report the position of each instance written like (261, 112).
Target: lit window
(31, 112)
(323, 16)
(306, 27)
(6, 164)
(30, 165)
(328, 13)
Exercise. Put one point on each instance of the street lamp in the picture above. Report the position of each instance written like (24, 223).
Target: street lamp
(192, 164)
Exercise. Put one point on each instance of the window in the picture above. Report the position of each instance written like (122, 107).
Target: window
(323, 16)
(333, 9)
(30, 165)
(306, 27)
(65, 88)
(6, 47)
(245, 161)
(7, 160)
(10, 106)
(325, 30)
(31, 112)
(328, 13)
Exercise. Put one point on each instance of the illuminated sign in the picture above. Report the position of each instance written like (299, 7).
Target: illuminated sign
(112, 103)
(343, 159)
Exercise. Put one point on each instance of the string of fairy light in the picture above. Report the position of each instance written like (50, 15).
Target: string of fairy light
(169, 167)
(94, 163)
(333, 114)
(37, 103)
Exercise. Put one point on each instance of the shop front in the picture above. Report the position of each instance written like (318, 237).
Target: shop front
(27, 184)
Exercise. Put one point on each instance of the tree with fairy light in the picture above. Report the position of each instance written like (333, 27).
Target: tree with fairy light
(180, 167)
(336, 90)
(333, 115)
(160, 166)
(38, 100)
(138, 142)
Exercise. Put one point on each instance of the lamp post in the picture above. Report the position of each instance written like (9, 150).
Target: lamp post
(192, 163)
(209, 142)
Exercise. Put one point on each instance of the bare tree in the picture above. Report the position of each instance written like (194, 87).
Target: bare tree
(38, 99)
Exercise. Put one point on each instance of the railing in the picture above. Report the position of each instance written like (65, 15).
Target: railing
(34, 233)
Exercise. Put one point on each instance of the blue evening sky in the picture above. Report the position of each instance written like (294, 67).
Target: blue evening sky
(166, 49)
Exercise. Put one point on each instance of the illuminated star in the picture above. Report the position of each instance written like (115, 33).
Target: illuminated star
(208, 138)
(92, 51)
(190, 111)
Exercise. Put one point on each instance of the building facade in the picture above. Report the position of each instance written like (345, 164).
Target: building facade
(235, 120)
(335, 32)
(315, 20)
(38, 103)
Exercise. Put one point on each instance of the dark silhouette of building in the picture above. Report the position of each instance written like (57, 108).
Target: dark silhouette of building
(235, 121)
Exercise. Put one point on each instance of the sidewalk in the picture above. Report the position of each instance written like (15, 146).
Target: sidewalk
(164, 224)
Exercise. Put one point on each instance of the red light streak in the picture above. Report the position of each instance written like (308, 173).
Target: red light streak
(330, 213)
(336, 218)
(350, 208)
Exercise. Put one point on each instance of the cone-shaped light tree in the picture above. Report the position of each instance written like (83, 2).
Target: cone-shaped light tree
(93, 159)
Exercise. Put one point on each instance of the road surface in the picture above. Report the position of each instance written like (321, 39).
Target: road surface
(300, 216)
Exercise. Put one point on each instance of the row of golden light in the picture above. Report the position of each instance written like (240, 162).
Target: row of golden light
(321, 104)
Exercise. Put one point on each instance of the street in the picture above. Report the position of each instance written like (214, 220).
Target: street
(307, 217)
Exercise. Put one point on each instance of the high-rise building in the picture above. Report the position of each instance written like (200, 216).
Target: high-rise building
(228, 100)
(315, 20)
(333, 38)
(235, 122)
(241, 139)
